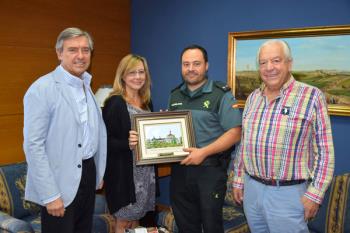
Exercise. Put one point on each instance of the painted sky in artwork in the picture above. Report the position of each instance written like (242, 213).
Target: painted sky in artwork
(162, 130)
(309, 53)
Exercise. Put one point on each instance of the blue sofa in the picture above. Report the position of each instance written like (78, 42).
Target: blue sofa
(19, 215)
(333, 215)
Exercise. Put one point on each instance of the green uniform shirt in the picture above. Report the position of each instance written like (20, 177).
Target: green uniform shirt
(212, 109)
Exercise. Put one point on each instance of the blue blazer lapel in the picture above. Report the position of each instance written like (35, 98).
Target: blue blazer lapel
(66, 93)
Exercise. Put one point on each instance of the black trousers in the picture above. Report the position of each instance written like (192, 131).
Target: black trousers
(78, 215)
(197, 195)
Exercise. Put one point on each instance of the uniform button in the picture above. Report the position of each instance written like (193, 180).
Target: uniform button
(79, 145)
(79, 166)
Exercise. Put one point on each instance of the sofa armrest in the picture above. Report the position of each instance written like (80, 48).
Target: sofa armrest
(334, 213)
(11, 224)
(103, 223)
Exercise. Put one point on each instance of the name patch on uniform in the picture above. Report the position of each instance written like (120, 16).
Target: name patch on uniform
(176, 104)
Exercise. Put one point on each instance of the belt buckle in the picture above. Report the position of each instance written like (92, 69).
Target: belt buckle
(273, 182)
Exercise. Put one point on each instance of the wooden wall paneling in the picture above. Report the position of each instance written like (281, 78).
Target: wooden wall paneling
(103, 72)
(20, 66)
(36, 23)
(11, 138)
(164, 169)
(27, 39)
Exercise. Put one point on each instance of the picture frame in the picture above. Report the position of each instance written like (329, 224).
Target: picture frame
(321, 58)
(162, 136)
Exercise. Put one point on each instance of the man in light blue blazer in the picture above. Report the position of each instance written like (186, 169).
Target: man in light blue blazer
(65, 139)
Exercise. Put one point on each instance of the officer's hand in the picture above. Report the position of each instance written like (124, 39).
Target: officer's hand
(310, 208)
(133, 139)
(238, 195)
(56, 208)
(195, 157)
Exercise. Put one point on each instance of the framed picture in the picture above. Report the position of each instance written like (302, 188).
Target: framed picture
(321, 58)
(162, 136)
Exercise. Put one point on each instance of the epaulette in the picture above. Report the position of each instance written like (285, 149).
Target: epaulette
(177, 87)
(223, 86)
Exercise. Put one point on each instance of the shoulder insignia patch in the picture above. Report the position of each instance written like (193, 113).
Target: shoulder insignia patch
(223, 86)
(177, 87)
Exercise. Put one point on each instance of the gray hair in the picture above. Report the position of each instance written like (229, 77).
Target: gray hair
(69, 33)
(286, 49)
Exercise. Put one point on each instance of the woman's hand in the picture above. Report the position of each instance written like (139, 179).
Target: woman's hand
(133, 139)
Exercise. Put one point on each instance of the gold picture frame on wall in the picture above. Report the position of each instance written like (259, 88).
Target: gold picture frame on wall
(321, 57)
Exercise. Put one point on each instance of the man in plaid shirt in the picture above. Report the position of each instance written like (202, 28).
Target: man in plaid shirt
(285, 161)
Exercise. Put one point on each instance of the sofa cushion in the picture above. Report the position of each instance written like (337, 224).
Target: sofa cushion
(166, 219)
(100, 204)
(11, 224)
(35, 222)
(334, 215)
(12, 184)
(234, 219)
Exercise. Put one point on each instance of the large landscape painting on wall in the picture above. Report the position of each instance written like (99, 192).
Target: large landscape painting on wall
(321, 57)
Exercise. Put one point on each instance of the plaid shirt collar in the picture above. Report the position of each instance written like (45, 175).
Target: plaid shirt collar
(287, 85)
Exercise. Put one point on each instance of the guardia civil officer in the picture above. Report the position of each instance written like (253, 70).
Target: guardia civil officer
(198, 183)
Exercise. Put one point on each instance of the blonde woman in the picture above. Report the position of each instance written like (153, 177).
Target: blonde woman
(130, 189)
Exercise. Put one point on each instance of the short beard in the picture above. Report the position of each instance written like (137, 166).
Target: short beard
(205, 77)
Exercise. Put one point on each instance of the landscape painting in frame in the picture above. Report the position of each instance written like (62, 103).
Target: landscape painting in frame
(321, 58)
(163, 136)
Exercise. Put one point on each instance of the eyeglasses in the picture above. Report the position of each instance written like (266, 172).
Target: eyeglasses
(135, 72)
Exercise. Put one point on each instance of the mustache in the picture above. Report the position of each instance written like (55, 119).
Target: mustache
(191, 72)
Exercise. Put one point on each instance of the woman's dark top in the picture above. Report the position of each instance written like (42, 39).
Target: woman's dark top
(118, 179)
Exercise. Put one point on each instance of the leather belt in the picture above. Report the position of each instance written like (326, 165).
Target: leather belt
(277, 182)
